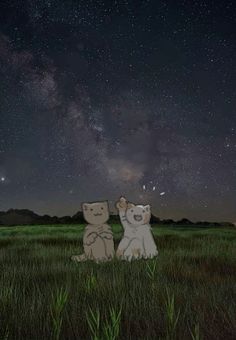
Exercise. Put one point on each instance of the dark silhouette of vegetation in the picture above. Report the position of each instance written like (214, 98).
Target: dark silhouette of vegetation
(28, 217)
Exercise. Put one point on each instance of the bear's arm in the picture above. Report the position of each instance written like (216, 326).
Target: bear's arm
(123, 219)
(149, 244)
(105, 231)
(90, 235)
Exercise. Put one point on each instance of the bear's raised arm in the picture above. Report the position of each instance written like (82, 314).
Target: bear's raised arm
(122, 206)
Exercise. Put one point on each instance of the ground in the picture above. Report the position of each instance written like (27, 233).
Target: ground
(188, 292)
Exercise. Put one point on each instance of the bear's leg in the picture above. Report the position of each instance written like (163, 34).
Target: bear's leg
(109, 245)
(98, 250)
(134, 250)
(122, 247)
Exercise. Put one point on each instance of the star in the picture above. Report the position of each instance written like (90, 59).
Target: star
(102, 105)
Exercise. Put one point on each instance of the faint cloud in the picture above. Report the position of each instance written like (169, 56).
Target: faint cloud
(122, 170)
(44, 90)
(13, 59)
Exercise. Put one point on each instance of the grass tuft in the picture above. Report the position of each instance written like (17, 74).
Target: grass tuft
(171, 315)
(93, 319)
(58, 305)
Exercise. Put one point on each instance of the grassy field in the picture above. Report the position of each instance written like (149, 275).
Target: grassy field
(188, 292)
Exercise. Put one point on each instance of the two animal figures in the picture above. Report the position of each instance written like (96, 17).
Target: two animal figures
(137, 241)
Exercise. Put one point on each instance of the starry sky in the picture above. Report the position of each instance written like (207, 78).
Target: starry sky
(106, 98)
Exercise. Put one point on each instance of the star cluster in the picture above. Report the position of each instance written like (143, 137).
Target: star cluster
(106, 98)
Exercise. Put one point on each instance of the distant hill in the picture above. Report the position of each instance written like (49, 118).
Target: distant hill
(28, 217)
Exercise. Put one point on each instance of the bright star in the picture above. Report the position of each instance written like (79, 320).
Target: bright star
(3, 179)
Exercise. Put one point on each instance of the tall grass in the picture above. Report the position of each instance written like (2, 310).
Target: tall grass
(171, 315)
(93, 319)
(195, 334)
(107, 329)
(58, 305)
(90, 282)
(111, 328)
(188, 291)
(5, 334)
(151, 269)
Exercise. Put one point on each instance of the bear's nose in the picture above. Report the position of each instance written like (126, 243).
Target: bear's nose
(138, 218)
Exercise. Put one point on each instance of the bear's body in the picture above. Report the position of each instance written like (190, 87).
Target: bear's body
(137, 241)
(98, 242)
(98, 238)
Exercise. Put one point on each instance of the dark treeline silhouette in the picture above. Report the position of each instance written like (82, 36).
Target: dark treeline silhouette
(28, 217)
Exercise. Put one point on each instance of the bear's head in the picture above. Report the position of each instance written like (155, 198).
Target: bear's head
(96, 213)
(138, 214)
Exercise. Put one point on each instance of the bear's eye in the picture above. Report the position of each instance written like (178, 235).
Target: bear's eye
(132, 210)
(91, 209)
(102, 208)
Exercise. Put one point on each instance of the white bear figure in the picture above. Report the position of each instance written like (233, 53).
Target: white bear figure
(137, 241)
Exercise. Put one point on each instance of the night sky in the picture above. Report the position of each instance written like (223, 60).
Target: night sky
(106, 98)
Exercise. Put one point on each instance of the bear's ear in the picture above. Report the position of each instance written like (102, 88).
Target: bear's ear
(130, 205)
(105, 205)
(84, 206)
(147, 208)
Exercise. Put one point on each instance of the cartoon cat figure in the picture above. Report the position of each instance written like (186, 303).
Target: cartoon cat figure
(98, 238)
(137, 241)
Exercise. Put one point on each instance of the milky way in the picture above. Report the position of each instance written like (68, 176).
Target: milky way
(106, 98)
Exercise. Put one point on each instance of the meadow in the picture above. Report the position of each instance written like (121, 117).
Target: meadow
(187, 292)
